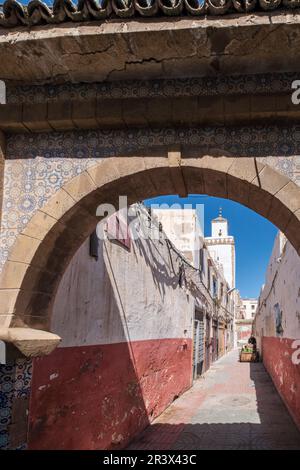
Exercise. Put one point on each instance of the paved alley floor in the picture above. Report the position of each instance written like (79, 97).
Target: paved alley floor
(234, 406)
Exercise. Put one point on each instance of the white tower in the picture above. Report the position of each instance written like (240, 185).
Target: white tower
(221, 247)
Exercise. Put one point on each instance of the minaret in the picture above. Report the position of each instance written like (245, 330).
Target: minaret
(222, 248)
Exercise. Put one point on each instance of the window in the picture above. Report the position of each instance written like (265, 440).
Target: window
(253, 307)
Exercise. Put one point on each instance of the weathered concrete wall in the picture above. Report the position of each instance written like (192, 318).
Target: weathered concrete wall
(277, 322)
(126, 351)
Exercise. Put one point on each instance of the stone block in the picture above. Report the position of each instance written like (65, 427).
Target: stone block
(289, 195)
(109, 113)
(60, 115)
(210, 110)
(292, 231)
(184, 110)
(11, 118)
(259, 200)
(238, 190)
(158, 113)
(8, 299)
(128, 166)
(134, 112)
(193, 178)
(12, 275)
(215, 183)
(236, 108)
(84, 114)
(279, 214)
(270, 180)
(30, 342)
(35, 117)
(262, 106)
(6, 321)
(103, 172)
(245, 169)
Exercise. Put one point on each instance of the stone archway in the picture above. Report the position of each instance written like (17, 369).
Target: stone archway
(42, 251)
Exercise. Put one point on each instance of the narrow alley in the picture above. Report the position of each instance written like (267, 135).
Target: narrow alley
(233, 406)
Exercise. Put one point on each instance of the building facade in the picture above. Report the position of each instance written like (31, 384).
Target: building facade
(277, 323)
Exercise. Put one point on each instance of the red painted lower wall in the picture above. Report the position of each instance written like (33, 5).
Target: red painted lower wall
(100, 397)
(277, 358)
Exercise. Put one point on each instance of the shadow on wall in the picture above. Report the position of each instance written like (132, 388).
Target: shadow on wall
(223, 420)
(105, 383)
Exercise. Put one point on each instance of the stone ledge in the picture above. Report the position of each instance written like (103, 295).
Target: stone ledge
(30, 342)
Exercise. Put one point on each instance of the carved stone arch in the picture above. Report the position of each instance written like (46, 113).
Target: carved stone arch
(42, 251)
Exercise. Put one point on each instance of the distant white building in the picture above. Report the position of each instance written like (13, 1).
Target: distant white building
(221, 247)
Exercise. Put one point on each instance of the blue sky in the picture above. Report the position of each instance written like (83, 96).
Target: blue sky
(254, 237)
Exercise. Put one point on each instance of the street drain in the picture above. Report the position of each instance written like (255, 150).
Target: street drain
(235, 401)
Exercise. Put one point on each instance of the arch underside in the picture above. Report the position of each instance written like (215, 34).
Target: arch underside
(43, 250)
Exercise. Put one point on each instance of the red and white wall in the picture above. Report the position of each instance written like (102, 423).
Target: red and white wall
(277, 323)
(126, 351)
